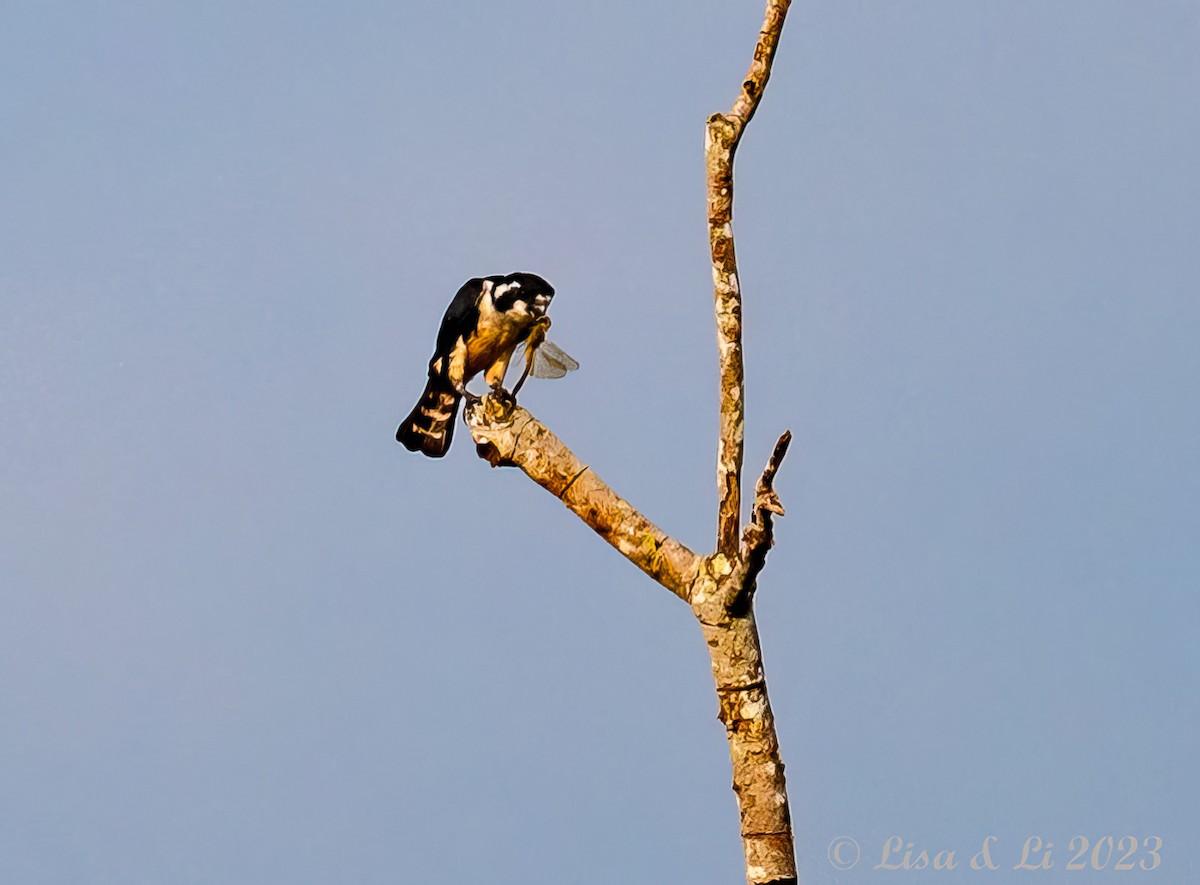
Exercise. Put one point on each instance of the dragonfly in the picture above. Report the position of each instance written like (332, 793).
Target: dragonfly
(542, 358)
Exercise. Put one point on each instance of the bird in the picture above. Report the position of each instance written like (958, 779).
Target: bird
(483, 326)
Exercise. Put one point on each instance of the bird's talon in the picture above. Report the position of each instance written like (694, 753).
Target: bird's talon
(501, 403)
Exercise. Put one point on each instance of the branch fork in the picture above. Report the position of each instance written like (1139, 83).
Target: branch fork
(719, 589)
(507, 435)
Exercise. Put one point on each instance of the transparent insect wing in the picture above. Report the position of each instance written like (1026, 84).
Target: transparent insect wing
(516, 365)
(551, 361)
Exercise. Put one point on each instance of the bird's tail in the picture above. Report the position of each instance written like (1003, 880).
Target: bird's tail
(430, 425)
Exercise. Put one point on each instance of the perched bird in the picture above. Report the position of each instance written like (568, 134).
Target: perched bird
(484, 324)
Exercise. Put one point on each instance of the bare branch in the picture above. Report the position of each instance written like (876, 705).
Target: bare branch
(729, 331)
(764, 57)
(512, 437)
(723, 596)
(758, 779)
(723, 133)
(759, 536)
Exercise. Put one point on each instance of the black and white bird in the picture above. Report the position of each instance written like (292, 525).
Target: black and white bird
(483, 326)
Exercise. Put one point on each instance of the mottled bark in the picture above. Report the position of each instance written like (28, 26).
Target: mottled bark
(719, 587)
(728, 622)
(722, 135)
(508, 436)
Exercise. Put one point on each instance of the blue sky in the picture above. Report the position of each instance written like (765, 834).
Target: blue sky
(247, 638)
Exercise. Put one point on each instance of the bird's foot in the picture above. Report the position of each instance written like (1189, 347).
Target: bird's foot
(501, 403)
(503, 397)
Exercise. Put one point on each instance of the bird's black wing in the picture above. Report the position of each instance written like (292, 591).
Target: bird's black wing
(461, 317)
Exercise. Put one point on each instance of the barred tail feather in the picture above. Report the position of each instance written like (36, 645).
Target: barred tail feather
(430, 426)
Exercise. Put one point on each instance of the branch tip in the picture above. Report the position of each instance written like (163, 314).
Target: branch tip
(759, 535)
(767, 479)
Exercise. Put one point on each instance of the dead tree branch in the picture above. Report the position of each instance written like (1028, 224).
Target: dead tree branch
(722, 135)
(718, 587)
(512, 437)
(732, 636)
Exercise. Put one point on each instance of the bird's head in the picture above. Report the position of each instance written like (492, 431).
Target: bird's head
(522, 292)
